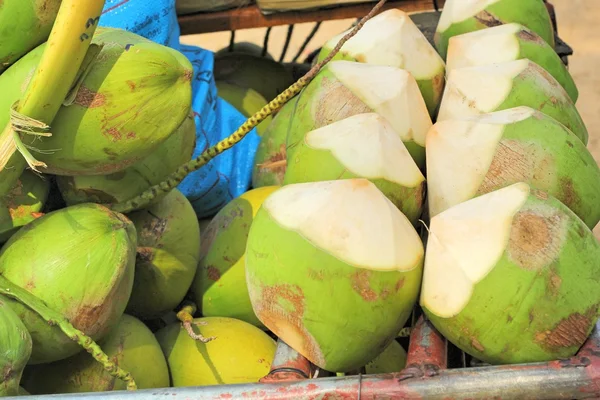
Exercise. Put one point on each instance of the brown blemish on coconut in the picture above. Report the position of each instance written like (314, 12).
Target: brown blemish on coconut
(437, 84)
(361, 285)
(276, 163)
(571, 331)
(144, 255)
(477, 345)
(208, 237)
(88, 98)
(212, 273)
(536, 239)
(486, 18)
(546, 75)
(569, 196)
(131, 85)
(335, 102)
(188, 75)
(281, 308)
(529, 36)
(317, 275)
(45, 11)
(540, 194)
(553, 283)
(113, 134)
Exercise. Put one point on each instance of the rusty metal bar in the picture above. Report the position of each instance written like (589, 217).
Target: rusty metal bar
(288, 365)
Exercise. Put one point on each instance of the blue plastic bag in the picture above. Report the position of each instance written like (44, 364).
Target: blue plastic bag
(228, 175)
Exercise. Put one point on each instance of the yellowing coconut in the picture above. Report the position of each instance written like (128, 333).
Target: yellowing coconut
(512, 277)
(361, 146)
(391, 38)
(246, 100)
(496, 87)
(342, 243)
(240, 352)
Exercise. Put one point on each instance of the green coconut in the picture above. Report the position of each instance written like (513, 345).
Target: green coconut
(341, 243)
(475, 155)
(219, 287)
(487, 88)
(244, 47)
(267, 77)
(131, 345)
(512, 277)
(460, 16)
(167, 255)
(361, 146)
(240, 352)
(124, 185)
(15, 349)
(25, 202)
(132, 97)
(391, 38)
(270, 157)
(392, 359)
(508, 43)
(24, 24)
(246, 100)
(78, 260)
(344, 88)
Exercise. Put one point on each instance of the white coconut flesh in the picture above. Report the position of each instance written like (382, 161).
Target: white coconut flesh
(465, 243)
(456, 11)
(391, 92)
(480, 89)
(459, 153)
(392, 38)
(368, 146)
(483, 47)
(351, 220)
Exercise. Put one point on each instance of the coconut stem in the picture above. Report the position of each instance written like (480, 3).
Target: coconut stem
(179, 175)
(186, 316)
(53, 318)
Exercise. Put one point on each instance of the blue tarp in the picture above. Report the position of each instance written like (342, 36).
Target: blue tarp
(229, 174)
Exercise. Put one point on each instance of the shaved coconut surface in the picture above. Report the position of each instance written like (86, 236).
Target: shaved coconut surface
(368, 146)
(350, 219)
(465, 243)
(392, 38)
(389, 91)
(483, 47)
(459, 10)
(480, 89)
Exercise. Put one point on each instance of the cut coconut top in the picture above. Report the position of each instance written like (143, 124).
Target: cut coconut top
(368, 146)
(391, 92)
(455, 11)
(350, 219)
(465, 243)
(392, 38)
(484, 47)
(480, 89)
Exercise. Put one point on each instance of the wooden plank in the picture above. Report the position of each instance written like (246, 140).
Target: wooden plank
(251, 17)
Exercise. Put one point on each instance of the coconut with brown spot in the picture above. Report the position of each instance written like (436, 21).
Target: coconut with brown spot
(239, 352)
(132, 97)
(167, 255)
(80, 261)
(329, 257)
(220, 288)
(361, 146)
(463, 16)
(512, 277)
(345, 88)
(470, 156)
(496, 87)
(508, 43)
(391, 38)
(131, 345)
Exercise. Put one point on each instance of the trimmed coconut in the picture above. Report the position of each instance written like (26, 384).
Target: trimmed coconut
(124, 185)
(463, 16)
(240, 352)
(361, 146)
(342, 241)
(130, 345)
(270, 158)
(496, 87)
(344, 88)
(80, 261)
(475, 155)
(15, 349)
(508, 43)
(220, 288)
(167, 255)
(512, 277)
(132, 97)
(391, 38)
(246, 100)
(25, 202)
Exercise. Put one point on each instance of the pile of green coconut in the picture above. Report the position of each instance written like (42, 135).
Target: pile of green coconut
(451, 178)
